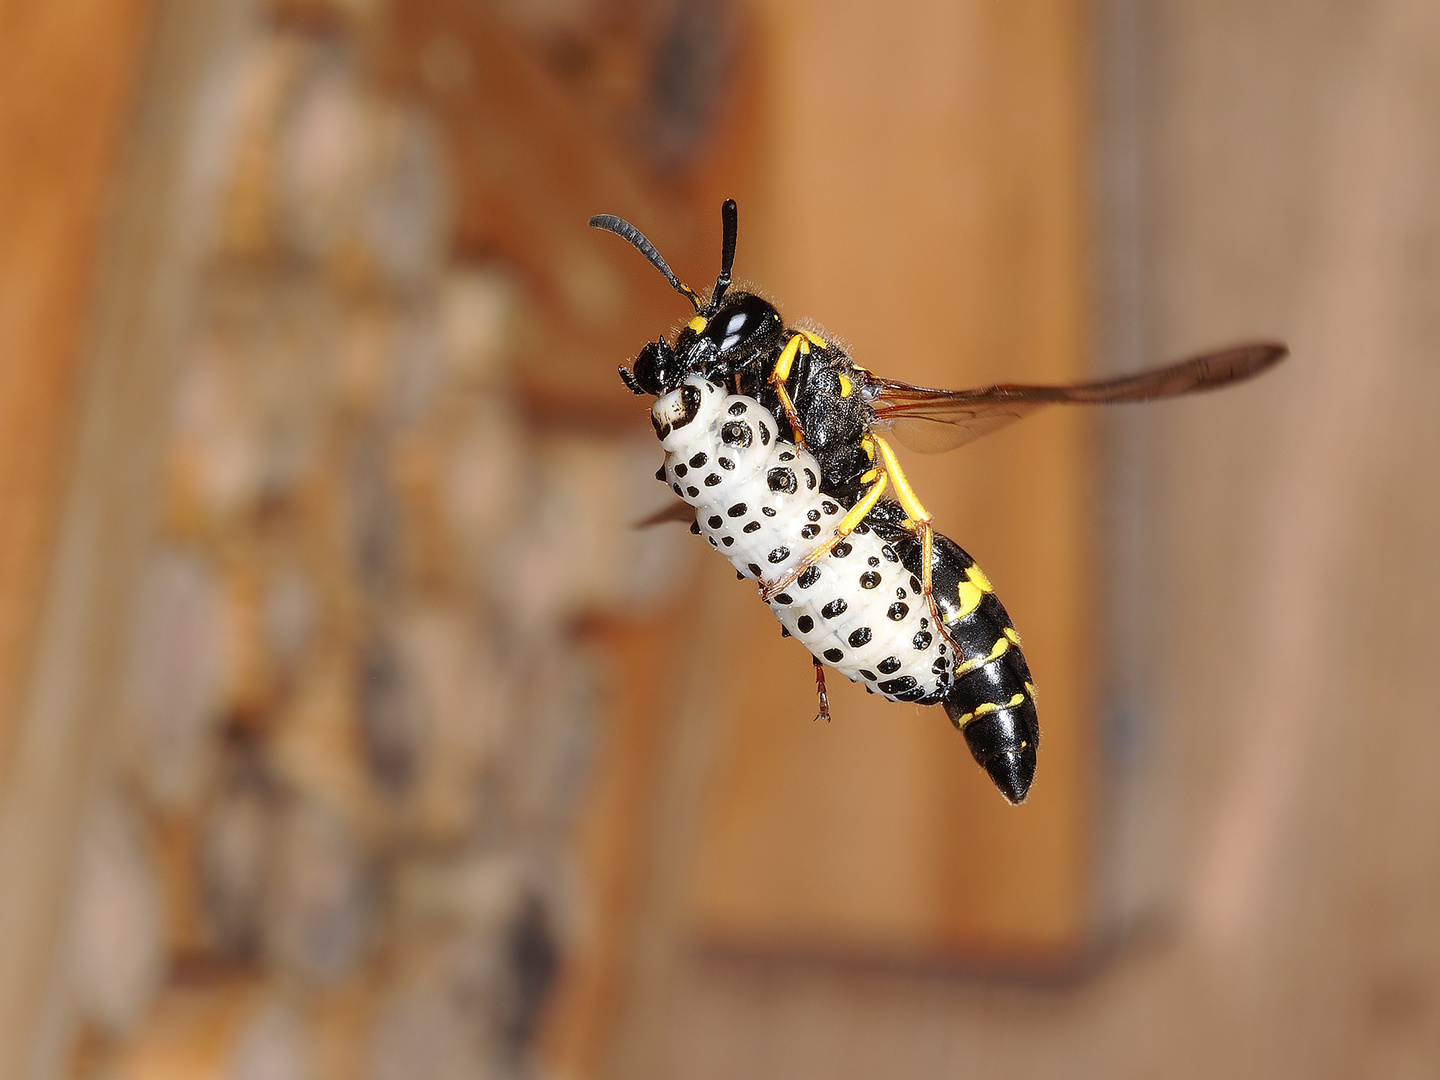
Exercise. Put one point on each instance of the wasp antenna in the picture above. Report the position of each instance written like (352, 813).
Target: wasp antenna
(627, 232)
(729, 221)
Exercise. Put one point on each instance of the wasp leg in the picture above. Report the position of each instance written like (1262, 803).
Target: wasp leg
(824, 713)
(844, 529)
(919, 519)
(797, 345)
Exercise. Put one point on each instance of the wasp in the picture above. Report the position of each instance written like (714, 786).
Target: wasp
(779, 445)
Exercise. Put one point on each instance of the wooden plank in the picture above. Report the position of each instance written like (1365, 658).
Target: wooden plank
(67, 76)
(926, 199)
(127, 339)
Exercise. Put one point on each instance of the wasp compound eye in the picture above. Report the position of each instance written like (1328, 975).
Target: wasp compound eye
(656, 368)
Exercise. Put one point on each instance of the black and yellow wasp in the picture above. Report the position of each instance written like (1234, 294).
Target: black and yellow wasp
(824, 519)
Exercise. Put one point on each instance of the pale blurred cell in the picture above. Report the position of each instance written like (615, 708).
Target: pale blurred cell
(237, 842)
(479, 308)
(582, 551)
(407, 212)
(486, 486)
(116, 944)
(321, 901)
(289, 613)
(274, 1044)
(181, 652)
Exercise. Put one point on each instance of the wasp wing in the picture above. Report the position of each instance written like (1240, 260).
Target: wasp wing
(932, 421)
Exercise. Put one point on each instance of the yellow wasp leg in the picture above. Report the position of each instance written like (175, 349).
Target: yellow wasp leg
(919, 518)
(845, 528)
(794, 347)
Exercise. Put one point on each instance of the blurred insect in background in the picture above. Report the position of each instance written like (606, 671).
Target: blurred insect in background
(778, 444)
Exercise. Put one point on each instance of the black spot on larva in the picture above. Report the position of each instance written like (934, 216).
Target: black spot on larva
(922, 640)
(692, 491)
(869, 579)
(738, 409)
(812, 515)
(753, 526)
(680, 469)
(786, 455)
(873, 560)
(840, 550)
(698, 461)
(805, 624)
(939, 666)
(663, 430)
(695, 527)
(764, 434)
(860, 637)
(784, 598)
(810, 479)
(712, 541)
(754, 569)
(725, 463)
(924, 623)
(915, 583)
(739, 576)
(712, 480)
(914, 694)
(660, 474)
(781, 480)
(736, 434)
(889, 553)
(678, 489)
(738, 510)
(809, 532)
(889, 665)
(834, 655)
(779, 555)
(715, 521)
(868, 674)
(898, 611)
(899, 594)
(784, 632)
(768, 511)
(829, 507)
(809, 577)
(834, 608)
(727, 540)
(862, 529)
(897, 686)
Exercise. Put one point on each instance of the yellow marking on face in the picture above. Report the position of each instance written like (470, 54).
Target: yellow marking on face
(970, 596)
(814, 338)
(904, 493)
(845, 386)
(698, 324)
(787, 360)
(975, 574)
(1012, 635)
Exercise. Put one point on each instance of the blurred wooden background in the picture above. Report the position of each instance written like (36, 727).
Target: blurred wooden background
(1225, 602)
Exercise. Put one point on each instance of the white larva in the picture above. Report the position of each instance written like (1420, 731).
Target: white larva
(758, 501)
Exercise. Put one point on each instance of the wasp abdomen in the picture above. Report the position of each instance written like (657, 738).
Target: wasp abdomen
(991, 698)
